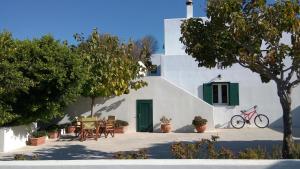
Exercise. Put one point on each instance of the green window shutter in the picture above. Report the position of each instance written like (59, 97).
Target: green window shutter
(234, 94)
(207, 92)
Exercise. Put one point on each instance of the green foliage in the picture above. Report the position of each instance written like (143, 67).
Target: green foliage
(24, 157)
(38, 134)
(111, 70)
(165, 120)
(19, 157)
(38, 78)
(143, 49)
(199, 121)
(249, 33)
(52, 128)
(235, 32)
(141, 154)
(202, 149)
(182, 150)
(253, 153)
(277, 153)
(121, 123)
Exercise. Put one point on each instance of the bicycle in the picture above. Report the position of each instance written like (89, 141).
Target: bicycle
(260, 120)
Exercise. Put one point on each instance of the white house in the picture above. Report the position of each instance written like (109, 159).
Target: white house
(182, 90)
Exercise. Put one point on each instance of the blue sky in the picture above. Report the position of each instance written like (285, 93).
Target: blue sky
(62, 18)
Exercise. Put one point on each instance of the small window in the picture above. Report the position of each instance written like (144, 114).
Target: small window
(220, 93)
(225, 93)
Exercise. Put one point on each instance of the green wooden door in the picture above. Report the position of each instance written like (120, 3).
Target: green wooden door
(144, 115)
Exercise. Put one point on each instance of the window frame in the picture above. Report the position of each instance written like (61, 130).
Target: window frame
(220, 91)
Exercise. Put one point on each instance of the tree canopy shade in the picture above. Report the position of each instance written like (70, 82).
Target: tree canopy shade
(249, 33)
(38, 78)
(111, 68)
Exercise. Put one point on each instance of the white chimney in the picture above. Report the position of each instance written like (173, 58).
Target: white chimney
(189, 8)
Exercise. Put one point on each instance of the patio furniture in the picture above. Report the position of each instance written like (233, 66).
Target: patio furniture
(89, 128)
(109, 128)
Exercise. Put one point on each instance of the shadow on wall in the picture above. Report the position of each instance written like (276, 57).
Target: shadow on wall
(185, 129)
(277, 125)
(224, 125)
(21, 131)
(156, 128)
(82, 107)
(200, 91)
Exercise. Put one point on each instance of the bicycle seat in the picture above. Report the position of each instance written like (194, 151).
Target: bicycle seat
(243, 111)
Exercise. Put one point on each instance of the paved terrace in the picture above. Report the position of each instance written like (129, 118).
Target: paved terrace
(157, 144)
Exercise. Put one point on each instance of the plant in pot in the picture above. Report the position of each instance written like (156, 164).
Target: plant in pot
(72, 126)
(165, 124)
(53, 131)
(120, 126)
(200, 124)
(38, 138)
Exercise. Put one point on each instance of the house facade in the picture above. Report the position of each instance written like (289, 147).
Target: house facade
(181, 90)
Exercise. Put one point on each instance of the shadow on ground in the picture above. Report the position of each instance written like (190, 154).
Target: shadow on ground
(157, 151)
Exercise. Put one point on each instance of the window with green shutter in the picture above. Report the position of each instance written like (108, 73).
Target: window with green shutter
(222, 93)
(207, 92)
(234, 94)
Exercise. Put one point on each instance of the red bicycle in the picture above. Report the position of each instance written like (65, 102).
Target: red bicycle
(260, 120)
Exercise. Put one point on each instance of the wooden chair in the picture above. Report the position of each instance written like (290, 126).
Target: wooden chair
(110, 126)
(89, 128)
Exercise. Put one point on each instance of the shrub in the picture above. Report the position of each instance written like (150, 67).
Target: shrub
(52, 128)
(225, 153)
(141, 154)
(182, 150)
(165, 120)
(35, 157)
(199, 121)
(38, 134)
(20, 157)
(253, 153)
(121, 123)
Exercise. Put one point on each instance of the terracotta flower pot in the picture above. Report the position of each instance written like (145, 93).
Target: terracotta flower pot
(166, 128)
(37, 141)
(200, 129)
(121, 130)
(53, 134)
(71, 129)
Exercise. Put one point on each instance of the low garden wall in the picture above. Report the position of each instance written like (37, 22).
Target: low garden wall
(153, 164)
(14, 137)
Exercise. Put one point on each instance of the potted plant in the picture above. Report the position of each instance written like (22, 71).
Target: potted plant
(120, 126)
(53, 132)
(200, 124)
(38, 138)
(72, 126)
(165, 124)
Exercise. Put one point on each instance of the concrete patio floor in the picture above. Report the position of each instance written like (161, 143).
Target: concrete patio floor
(157, 144)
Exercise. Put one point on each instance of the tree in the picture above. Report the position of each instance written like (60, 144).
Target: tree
(143, 49)
(248, 33)
(38, 79)
(111, 69)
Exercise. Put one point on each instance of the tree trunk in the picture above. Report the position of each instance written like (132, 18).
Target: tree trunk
(288, 141)
(92, 105)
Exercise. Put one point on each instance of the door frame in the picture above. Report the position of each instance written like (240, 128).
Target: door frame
(137, 117)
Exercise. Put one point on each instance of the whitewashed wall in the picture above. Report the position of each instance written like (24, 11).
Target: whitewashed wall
(168, 100)
(15, 137)
(183, 71)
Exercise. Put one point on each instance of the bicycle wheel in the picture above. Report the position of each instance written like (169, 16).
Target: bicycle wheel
(261, 121)
(237, 121)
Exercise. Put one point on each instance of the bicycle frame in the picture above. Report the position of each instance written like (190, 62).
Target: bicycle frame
(249, 114)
